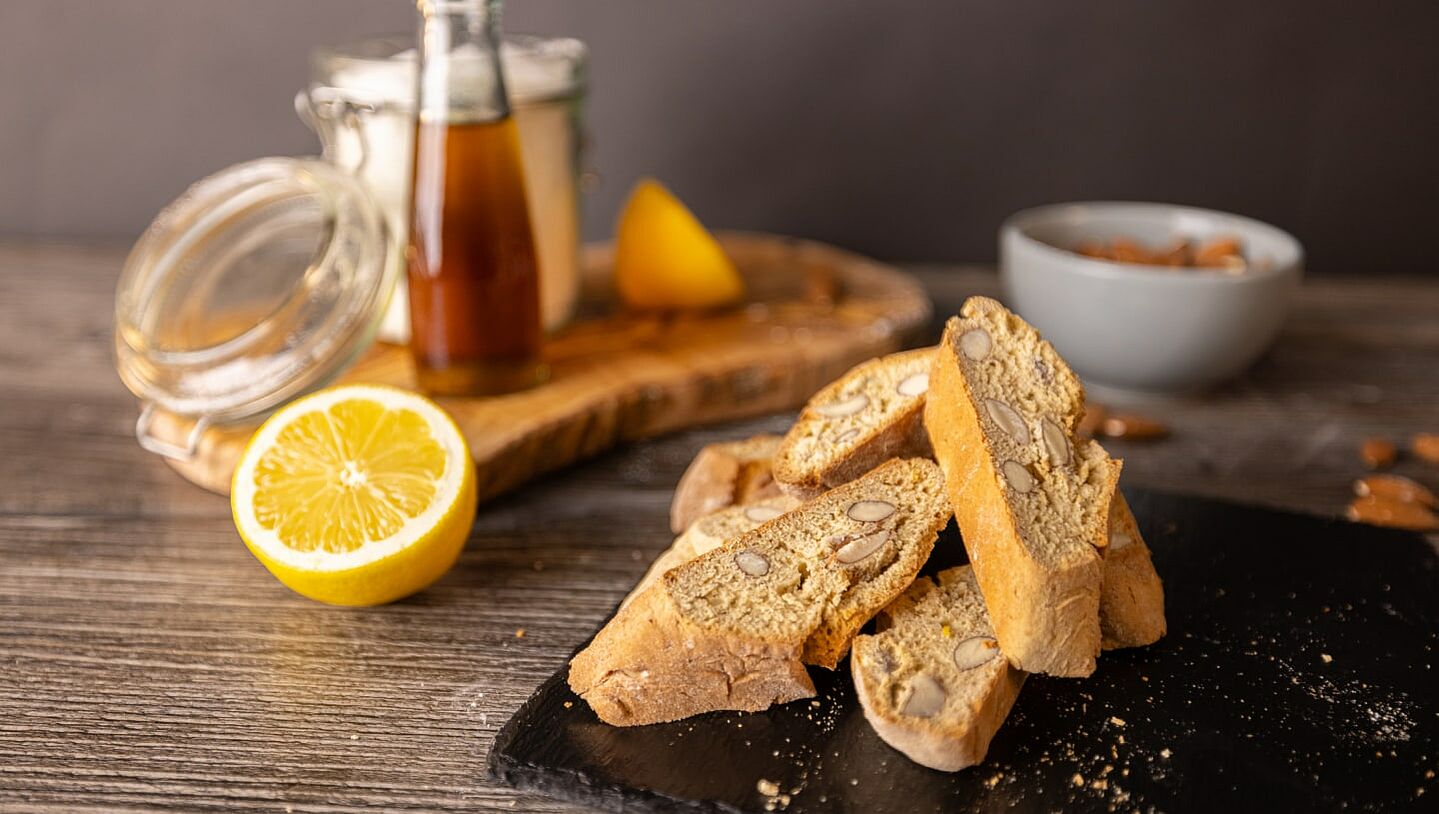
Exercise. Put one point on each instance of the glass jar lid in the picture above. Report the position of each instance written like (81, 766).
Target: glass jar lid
(380, 71)
(258, 284)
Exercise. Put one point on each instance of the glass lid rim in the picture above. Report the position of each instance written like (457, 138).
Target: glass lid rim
(326, 60)
(169, 231)
(350, 49)
(190, 219)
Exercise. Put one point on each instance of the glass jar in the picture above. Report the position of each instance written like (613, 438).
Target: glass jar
(267, 280)
(546, 84)
(259, 284)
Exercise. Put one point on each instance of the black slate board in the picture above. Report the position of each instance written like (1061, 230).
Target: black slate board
(1298, 675)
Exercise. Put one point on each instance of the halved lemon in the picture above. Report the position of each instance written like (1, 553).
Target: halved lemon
(356, 495)
(664, 258)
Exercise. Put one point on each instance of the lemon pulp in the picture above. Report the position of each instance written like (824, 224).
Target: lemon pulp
(356, 495)
(349, 475)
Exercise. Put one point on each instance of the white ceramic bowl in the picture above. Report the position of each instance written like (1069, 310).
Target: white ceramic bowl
(1139, 328)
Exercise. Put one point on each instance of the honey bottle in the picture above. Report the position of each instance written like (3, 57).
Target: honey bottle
(473, 274)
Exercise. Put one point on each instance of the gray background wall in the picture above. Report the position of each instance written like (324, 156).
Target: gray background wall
(903, 129)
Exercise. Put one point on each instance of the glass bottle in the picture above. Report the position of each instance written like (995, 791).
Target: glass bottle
(473, 274)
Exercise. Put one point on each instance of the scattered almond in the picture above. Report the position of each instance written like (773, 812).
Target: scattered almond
(1378, 453)
(975, 344)
(1008, 419)
(1179, 253)
(1093, 420)
(844, 407)
(1425, 446)
(925, 697)
(1224, 253)
(869, 511)
(1055, 442)
(915, 385)
(1378, 511)
(1133, 427)
(974, 651)
(752, 563)
(762, 513)
(1216, 249)
(856, 547)
(1017, 476)
(1395, 487)
(1127, 250)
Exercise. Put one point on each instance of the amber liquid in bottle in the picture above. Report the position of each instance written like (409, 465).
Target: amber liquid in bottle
(473, 274)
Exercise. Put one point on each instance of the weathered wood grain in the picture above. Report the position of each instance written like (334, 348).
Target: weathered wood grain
(148, 663)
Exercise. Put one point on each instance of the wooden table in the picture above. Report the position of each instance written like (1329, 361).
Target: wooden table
(148, 662)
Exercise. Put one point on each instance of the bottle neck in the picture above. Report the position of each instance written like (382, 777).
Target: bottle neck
(460, 77)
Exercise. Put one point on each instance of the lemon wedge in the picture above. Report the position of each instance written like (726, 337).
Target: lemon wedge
(665, 259)
(356, 495)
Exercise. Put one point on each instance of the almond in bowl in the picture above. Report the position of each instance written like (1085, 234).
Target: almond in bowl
(1127, 323)
(1225, 253)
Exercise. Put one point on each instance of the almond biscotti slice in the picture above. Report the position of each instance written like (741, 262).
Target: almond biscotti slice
(932, 681)
(709, 532)
(651, 663)
(1031, 499)
(1131, 605)
(724, 474)
(867, 416)
(733, 628)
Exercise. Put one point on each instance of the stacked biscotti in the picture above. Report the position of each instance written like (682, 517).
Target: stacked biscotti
(869, 415)
(932, 680)
(724, 475)
(1030, 498)
(791, 545)
(734, 627)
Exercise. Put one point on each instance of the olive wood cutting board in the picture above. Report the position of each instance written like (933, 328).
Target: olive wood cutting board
(812, 311)
(1299, 674)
